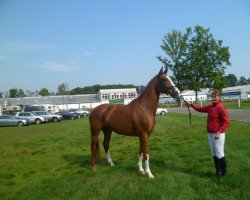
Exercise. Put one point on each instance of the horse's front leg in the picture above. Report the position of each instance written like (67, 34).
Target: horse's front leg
(144, 148)
(140, 157)
(147, 169)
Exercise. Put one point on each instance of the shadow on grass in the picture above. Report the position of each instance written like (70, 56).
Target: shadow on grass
(82, 160)
(175, 168)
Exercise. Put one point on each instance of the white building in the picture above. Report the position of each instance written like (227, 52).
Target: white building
(237, 92)
(126, 94)
(65, 102)
(189, 95)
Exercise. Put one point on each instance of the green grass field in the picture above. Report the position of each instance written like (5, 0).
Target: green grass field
(52, 161)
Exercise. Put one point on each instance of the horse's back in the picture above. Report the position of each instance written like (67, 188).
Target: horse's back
(104, 112)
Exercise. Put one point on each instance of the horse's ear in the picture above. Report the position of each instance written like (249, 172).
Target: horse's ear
(161, 71)
(166, 70)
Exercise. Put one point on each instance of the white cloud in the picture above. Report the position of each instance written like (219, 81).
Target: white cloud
(86, 53)
(23, 47)
(56, 67)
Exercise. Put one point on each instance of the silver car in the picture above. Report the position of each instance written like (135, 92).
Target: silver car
(28, 115)
(48, 116)
(7, 120)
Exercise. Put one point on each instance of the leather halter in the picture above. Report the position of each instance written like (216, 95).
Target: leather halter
(167, 88)
(180, 98)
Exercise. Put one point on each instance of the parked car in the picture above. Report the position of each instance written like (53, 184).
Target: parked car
(161, 111)
(7, 120)
(28, 115)
(68, 115)
(33, 108)
(48, 116)
(82, 113)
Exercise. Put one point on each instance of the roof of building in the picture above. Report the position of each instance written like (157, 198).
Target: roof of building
(57, 100)
(192, 93)
(242, 88)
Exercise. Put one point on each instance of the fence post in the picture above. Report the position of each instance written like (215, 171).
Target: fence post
(239, 102)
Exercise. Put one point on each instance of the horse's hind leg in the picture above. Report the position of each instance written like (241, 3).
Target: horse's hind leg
(107, 136)
(95, 149)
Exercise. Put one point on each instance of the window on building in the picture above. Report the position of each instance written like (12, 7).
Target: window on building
(123, 95)
(131, 95)
(105, 96)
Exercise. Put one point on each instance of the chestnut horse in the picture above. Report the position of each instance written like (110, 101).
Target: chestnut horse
(135, 119)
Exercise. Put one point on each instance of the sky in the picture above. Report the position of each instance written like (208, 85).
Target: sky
(44, 43)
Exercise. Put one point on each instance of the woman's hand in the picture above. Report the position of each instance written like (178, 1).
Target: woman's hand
(217, 135)
(187, 103)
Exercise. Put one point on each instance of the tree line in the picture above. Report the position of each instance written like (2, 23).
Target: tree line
(63, 89)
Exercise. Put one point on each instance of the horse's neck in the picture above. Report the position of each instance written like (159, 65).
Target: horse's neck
(150, 96)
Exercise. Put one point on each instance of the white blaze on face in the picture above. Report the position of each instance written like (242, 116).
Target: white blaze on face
(173, 85)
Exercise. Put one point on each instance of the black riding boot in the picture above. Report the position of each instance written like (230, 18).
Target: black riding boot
(223, 164)
(217, 166)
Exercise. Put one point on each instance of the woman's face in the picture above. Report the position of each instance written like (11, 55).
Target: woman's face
(216, 98)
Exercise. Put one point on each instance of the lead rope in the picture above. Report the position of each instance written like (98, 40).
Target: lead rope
(189, 113)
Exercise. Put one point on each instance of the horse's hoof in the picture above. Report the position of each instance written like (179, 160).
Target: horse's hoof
(142, 173)
(150, 175)
(111, 164)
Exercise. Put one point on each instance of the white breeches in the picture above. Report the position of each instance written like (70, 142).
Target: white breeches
(217, 145)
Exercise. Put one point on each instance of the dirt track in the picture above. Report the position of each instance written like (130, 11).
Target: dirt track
(234, 114)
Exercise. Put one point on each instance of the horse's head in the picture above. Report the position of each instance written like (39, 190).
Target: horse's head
(166, 85)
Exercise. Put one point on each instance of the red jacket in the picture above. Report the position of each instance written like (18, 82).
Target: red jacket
(217, 119)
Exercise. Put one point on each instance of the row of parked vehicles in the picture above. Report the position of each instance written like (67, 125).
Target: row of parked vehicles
(39, 117)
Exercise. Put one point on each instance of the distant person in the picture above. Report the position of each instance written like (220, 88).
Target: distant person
(217, 123)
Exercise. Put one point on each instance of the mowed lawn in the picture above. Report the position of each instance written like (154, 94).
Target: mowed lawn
(52, 161)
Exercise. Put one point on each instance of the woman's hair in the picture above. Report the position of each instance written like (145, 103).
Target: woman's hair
(216, 92)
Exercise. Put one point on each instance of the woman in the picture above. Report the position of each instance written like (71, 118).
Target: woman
(217, 123)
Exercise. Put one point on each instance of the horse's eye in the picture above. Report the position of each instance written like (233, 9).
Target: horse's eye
(170, 91)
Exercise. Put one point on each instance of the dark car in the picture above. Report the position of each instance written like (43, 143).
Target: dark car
(68, 115)
(82, 113)
(33, 108)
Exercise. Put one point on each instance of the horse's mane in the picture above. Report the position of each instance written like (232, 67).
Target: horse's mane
(150, 82)
(143, 91)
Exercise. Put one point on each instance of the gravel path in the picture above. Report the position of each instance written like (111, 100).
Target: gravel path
(234, 114)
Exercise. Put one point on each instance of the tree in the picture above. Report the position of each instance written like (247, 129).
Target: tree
(21, 93)
(77, 90)
(242, 81)
(203, 59)
(175, 47)
(44, 92)
(248, 81)
(1, 95)
(231, 80)
(63, 89)
(13, 93)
